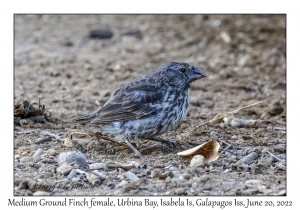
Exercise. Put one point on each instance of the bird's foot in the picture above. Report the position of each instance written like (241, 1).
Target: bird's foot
(171, 144)
(136, 152)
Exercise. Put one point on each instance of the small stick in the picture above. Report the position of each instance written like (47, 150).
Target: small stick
(222, 116)
(275, 157)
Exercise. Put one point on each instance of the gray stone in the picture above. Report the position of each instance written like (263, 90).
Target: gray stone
(72, 157)
(64, 169)
(131, 176)
(197, 160)
(97, 166)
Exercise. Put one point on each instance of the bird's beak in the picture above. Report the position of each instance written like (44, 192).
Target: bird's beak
(197, 74)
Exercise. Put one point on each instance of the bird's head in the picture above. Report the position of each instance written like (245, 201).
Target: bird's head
(182, 74)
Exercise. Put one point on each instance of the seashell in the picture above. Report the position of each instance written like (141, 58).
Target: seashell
(208, 150)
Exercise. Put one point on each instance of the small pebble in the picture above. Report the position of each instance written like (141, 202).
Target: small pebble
(249, 158)
(23, 185)
(186, 176)
(122, 183)
(179, 191)
(204, 178)
(37, 159)
(131, 176)
(197, 160)
(267, 149)
(68, 143)
(41, 193)
(96, 182)
(97, 166)
(101, 34)
(214, 135)
(72, 157)
(64, 169)
(38, 152)
(281, 148)
(51, 152)
(255, 184)
(155, 173)
(275, 108)
(72, 174)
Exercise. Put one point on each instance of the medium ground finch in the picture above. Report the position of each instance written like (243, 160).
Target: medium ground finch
(148, 106)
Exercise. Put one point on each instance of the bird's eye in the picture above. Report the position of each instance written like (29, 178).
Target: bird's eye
(182, 70)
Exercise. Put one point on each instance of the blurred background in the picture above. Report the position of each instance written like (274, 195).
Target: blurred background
(74, 62)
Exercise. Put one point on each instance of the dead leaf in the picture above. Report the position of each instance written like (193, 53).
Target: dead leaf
(208, 150)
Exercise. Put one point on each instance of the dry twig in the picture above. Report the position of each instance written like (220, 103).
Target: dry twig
(220, 116)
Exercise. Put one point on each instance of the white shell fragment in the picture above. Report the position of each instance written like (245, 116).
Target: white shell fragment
(238, 122)
(208, 150)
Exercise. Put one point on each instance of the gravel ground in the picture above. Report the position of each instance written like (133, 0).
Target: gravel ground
(61, 60)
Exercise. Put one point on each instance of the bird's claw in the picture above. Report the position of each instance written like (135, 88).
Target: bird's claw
(171, 144)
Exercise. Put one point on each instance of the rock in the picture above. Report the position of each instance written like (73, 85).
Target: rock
(38, 152)
(68, 143)
(101, 175)
(36, 159)
(101, 34)
(96, 182)
(275, 108)
(204, 178)
(249, 158)
(225, 37)
(267, 149)
(131, 176)
(47, 170)
(197, 161)
(64, 169)
(214, 135)
(51, 152)
(155, 173)
(97, 166)
(168, 179)
(243, 60)
(222, 125)
(72, 157)
(72, 174)
(239, 122)
(92, 177)
(255, 184)
(256, 170)
(122, 183)
(41, 193)
(281, 148)
(23, 185)
(111, 185)
(186, 176)
(135, 32)
(179, 191)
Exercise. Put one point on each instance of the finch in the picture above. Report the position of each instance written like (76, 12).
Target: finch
(148, 106)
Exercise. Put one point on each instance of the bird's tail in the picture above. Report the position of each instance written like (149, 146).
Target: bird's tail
(85, 118)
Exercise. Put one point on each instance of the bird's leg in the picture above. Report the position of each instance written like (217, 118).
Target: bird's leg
(137, 153)
(169, 143)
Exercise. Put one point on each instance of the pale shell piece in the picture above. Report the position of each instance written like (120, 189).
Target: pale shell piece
(208, 150)
(120, 165)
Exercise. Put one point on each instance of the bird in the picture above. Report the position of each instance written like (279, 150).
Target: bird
(147, 106)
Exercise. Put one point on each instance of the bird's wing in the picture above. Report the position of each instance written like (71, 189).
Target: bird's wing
(131, 102)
